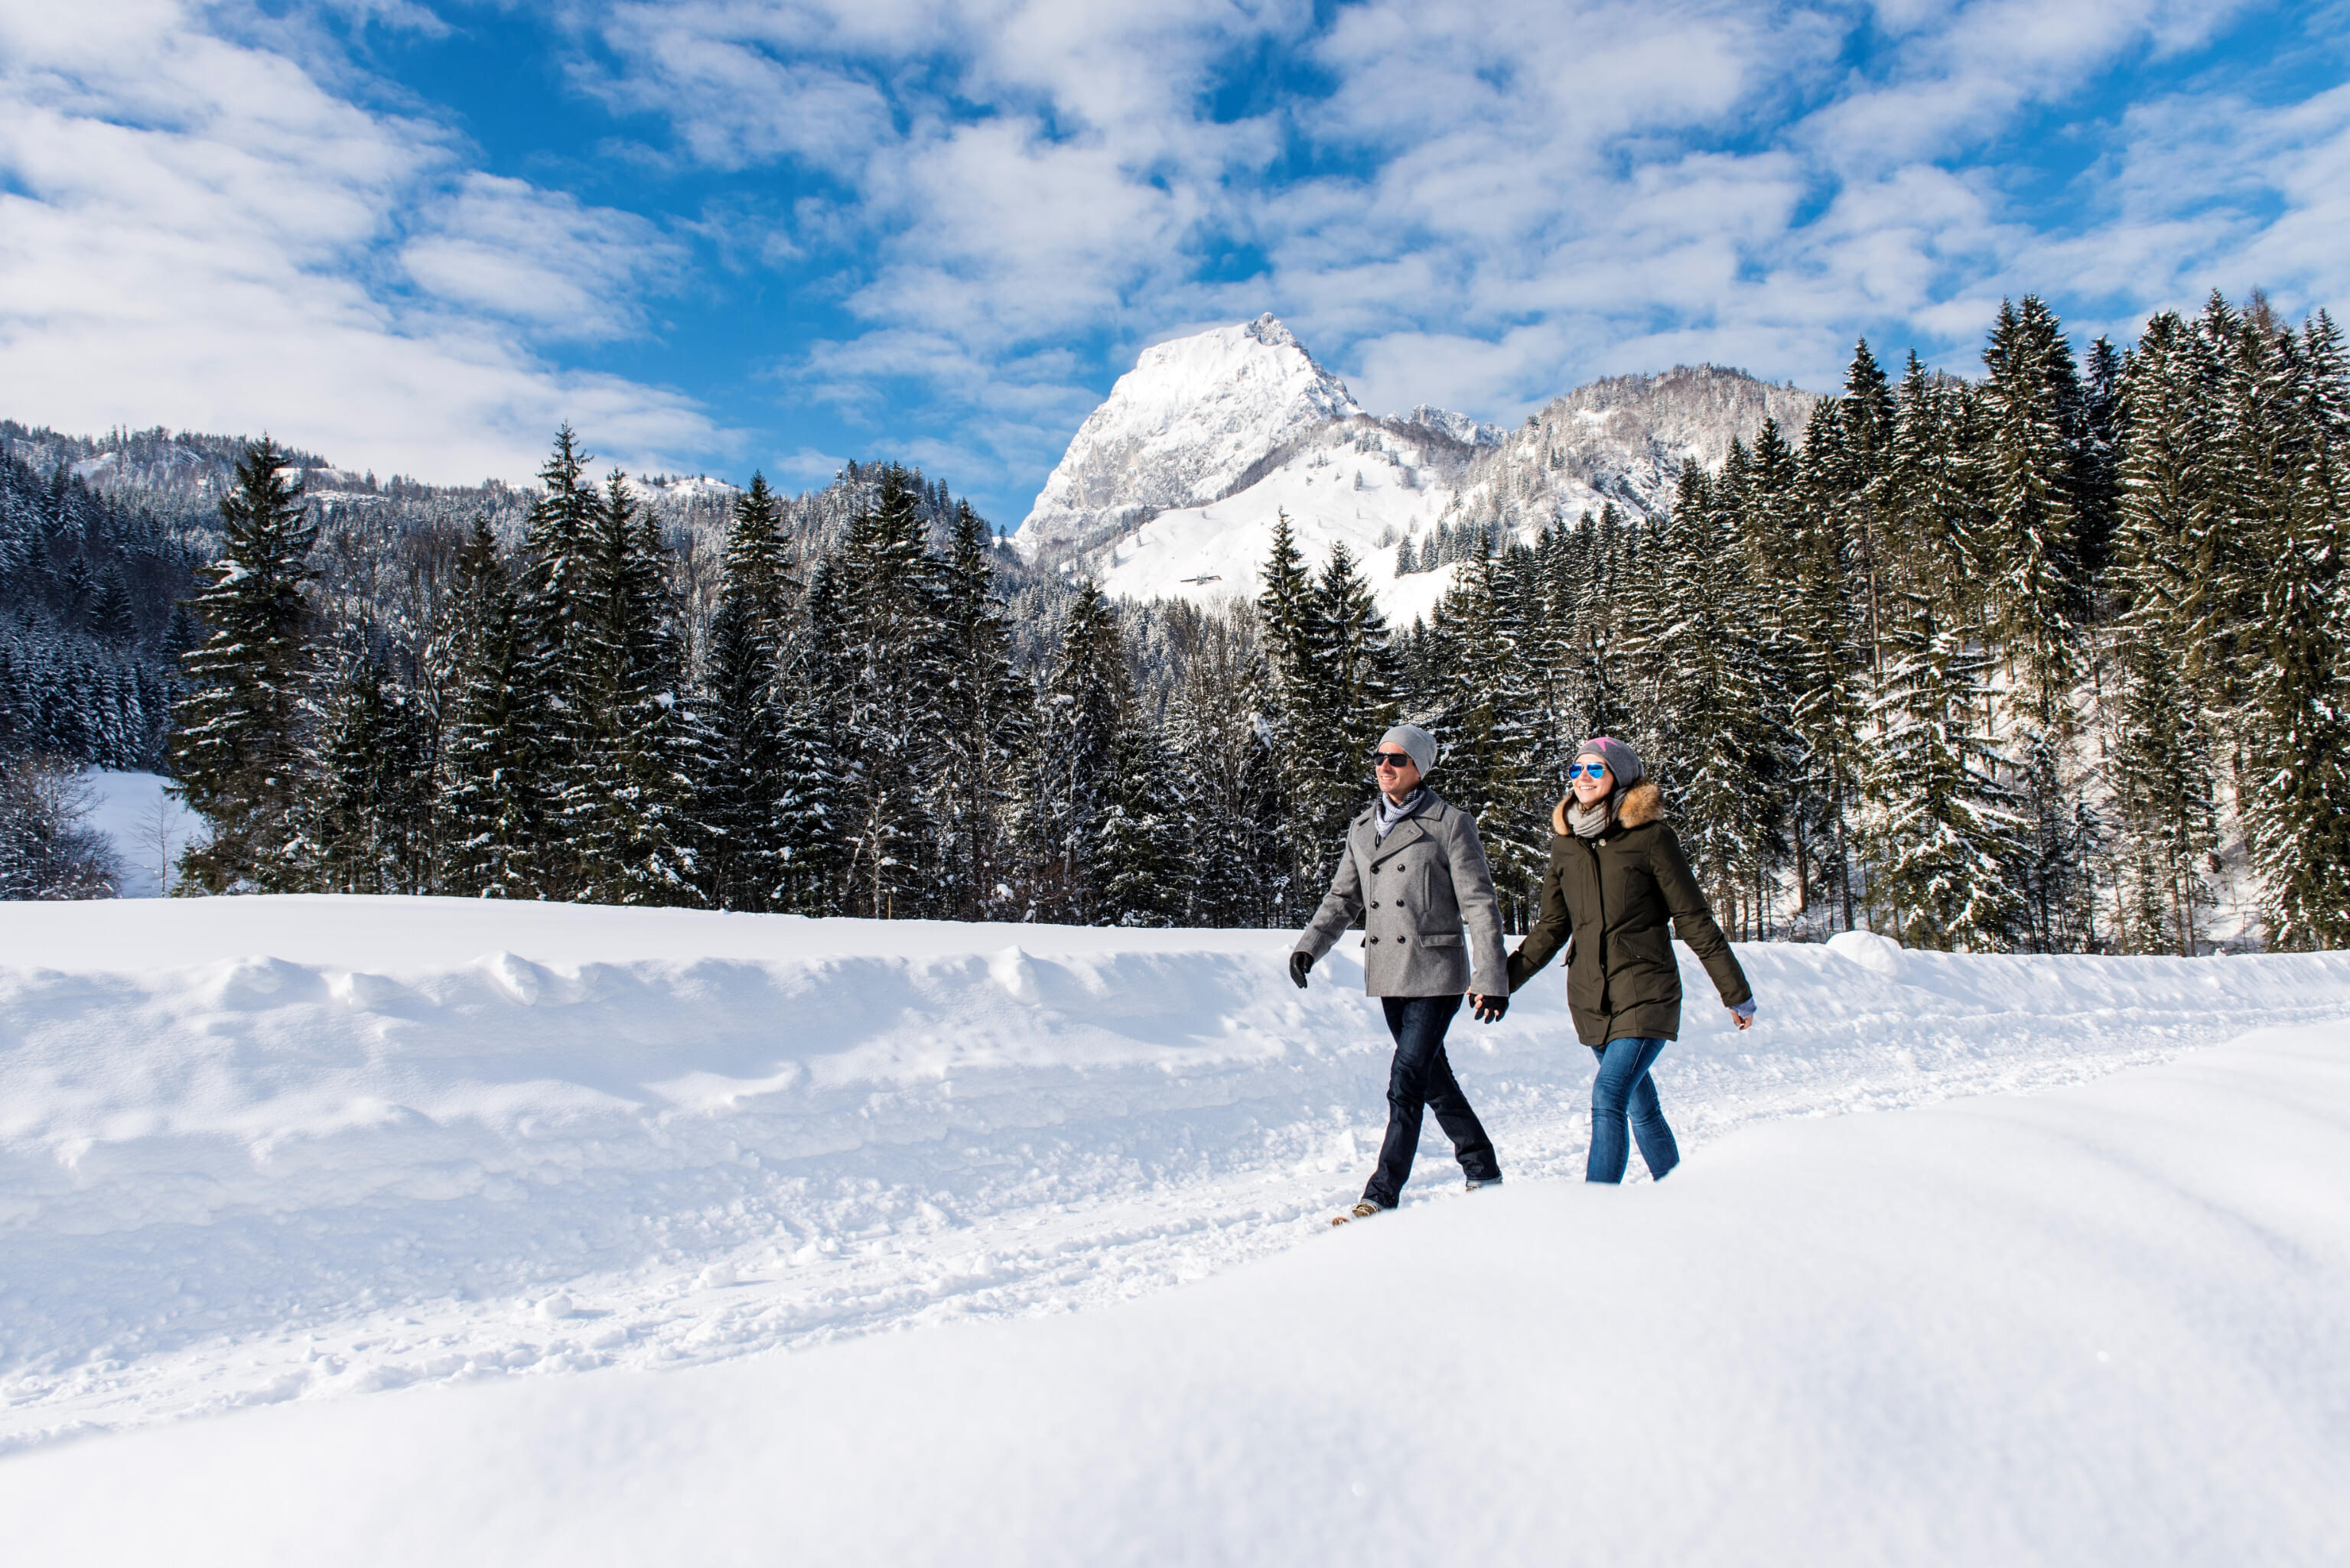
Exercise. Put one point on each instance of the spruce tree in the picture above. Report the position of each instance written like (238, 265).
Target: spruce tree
(236, 753)
(492, 798)
(626, 793)
(556, 682)
(366, 805)
(985, 709)
(889, 710)
(1072, 775)
(739, 774)
(2298, 810)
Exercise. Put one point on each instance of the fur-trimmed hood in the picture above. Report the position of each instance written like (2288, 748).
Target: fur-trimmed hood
(1638, 807)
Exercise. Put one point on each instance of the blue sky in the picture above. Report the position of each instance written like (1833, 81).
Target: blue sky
(734, 233)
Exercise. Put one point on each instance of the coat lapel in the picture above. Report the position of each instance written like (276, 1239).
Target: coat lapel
(1405, 834)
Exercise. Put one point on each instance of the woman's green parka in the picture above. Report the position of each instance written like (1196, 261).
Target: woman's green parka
(1612, 896)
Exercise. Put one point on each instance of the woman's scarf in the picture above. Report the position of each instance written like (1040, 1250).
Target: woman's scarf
(1391, 812)
(1591, 821)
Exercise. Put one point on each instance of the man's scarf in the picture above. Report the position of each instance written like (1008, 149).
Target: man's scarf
(1392, 812)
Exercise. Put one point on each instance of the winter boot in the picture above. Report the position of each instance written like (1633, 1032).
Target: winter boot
(1362, 1210)
(1475, 1182)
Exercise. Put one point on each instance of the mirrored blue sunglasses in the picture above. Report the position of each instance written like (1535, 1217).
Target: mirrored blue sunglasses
(1596, 770)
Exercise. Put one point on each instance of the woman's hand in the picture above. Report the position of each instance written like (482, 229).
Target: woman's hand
(1745, 1019)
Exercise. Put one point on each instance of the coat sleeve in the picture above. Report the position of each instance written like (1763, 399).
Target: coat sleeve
(1473, 890)
(1552, 929)
(1693, 918)
(1341, 907)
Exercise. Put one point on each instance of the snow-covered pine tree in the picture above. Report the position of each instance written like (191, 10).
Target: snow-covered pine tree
(1708, 695)
(552, 607)
(756, 567)
(985, 712)
(365, 811)
(626, 795)
(2165, 769)
(1489, 748)
(2032, 484)
(811, 841)
(2297, 813)
(1217, 735)
(492, 800)
(738, 773)
(1146, 863)
(889, 655)
(236, 753)
(1071, 775)
(1943, 835)
(1349, 685)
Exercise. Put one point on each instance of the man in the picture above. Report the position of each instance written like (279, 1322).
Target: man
(1413, 873)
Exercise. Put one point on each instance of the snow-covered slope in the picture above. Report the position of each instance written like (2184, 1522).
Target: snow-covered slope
(1173, 487)
(2101, 1327)
(262, 1149)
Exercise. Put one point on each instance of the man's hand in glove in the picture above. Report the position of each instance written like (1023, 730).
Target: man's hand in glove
(1298, 964)
(1487, 1008)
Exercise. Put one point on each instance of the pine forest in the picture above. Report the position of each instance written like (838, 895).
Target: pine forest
(2045, 658)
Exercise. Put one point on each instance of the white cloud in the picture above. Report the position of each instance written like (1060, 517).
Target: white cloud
(194, 231)
(1476, 204)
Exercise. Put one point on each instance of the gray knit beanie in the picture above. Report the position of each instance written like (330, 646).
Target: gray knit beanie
(1416, 743)
(1621, 760)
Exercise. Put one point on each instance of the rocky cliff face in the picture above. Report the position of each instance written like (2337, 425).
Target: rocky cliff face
(1624, 440)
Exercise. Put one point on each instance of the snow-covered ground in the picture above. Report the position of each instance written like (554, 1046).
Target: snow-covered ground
(303, 1151)
(147, 827)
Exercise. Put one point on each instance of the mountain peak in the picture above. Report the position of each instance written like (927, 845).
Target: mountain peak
(1182, 428)
(1268, 329)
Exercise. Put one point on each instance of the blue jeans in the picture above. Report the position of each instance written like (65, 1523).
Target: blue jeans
(1624, 1090)
(1421, 1079)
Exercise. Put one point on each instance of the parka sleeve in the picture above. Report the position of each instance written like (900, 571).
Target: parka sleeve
(1552, 929)
(1693, 918)
(1341, 907)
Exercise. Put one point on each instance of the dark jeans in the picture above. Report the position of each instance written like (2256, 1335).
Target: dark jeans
(1422, 1077)
(1624, 1088)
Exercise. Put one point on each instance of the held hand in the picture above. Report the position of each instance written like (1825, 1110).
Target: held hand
(1298, 964)
(1743, 1020)
(1487, 1008)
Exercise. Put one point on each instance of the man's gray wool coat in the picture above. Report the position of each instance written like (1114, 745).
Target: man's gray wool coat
(1414, 890)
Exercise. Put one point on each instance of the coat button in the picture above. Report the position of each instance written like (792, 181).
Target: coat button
(1375, 941)
(1375, 903)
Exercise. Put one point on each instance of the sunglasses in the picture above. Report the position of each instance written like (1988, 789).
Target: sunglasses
(1586, 769)
(1391, 760)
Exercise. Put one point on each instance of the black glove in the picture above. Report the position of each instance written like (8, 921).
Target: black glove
(1298, 964)
(1490, 1008)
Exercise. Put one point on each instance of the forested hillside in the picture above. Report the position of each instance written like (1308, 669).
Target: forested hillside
(2048, 659)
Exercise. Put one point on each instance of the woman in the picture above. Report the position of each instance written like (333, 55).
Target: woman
(1616, 873)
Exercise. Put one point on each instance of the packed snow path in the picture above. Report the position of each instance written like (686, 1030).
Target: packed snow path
(254, 1150)
(2100, 1328)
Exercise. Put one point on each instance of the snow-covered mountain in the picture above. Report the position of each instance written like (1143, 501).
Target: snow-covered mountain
(1172, 488)
(1193, 420)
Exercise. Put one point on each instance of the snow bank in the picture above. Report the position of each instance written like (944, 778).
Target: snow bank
(2100, 1327)
(273, 1148)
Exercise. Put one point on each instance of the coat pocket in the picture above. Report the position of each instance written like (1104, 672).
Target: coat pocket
(1442, 940)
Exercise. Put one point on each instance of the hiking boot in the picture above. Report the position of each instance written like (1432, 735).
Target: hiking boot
(1362, 1210)
(1475, 1182)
